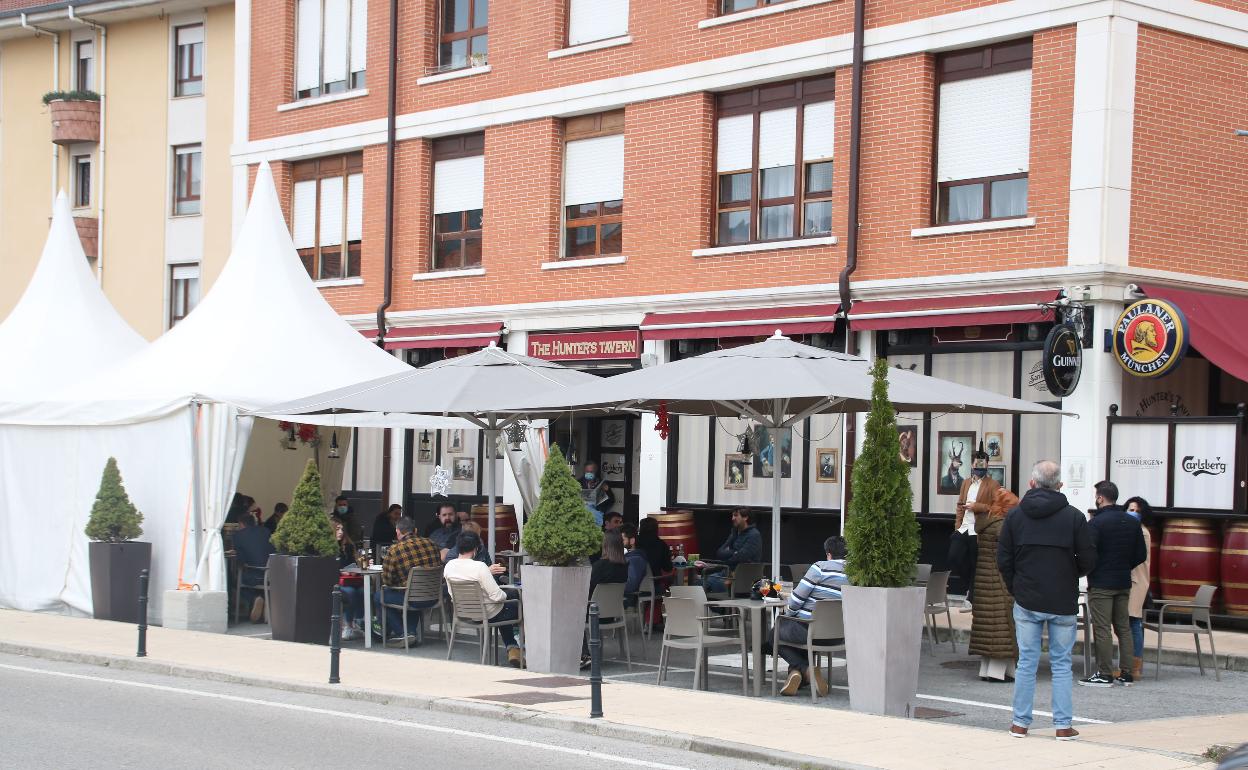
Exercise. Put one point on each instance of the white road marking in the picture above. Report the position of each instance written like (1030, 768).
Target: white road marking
(998, 707)
(359, 717)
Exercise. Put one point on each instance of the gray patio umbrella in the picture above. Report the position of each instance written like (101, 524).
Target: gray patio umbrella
(469, 387)
(776, 383)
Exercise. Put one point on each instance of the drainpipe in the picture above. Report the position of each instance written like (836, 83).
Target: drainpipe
(56, 84)
(391, 99)
(103, 84)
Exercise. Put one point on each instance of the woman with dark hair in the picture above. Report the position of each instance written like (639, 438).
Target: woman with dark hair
(352, 585)
(1139, 508)
(658, 555)
(611, 568)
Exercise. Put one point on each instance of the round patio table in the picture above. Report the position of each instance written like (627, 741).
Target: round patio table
(753, 609)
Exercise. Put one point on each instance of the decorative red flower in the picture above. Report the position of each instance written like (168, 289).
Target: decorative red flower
(307, 433)
(662, 426)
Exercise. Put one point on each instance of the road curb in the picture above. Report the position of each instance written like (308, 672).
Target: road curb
(585, 726)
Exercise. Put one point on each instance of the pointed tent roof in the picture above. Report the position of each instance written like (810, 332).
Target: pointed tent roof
(263, 334)
(63, 308)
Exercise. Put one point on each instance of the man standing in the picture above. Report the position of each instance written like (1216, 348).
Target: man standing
(1119, 548)
(822, 581)
(974, 498)
(410, 550)
(1044, 548)
(448, 528)
(744, 544)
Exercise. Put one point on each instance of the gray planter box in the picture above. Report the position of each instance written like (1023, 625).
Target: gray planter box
(555, 599)
(115, 571)
(883, 638)
(300, 597)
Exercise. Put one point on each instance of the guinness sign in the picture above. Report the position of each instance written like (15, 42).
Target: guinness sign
(1150, 338)
(1063, 360)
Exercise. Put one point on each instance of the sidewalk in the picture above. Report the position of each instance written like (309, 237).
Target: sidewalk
(708, 722)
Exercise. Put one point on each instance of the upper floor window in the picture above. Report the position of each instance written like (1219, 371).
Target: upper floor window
(188, 172)
(458, 201)
(983, 134)
(328, 215)
(82, 181)
(188, 60)
(732, 6)
(330, 46)
(84, 65)
(590, 20)
(464, 41)
(593, 185)
(183, 291)
(773, 162)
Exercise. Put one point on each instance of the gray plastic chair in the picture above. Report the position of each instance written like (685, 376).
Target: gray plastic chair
(644, 608)
(1200, 625)
(424, 584)
(922, 574)
(827, 621)
(610, 599)
(937, 602)
(469, 610)
(744, 577)
(686, 628)
(264, 586)
(797, 572)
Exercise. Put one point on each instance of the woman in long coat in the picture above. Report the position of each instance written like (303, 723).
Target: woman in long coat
(992, 619)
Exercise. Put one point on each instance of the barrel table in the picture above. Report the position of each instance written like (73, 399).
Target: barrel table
(504, 524)
(1154, 559)
(676, 528)
(1189, 557)
(1235, 569)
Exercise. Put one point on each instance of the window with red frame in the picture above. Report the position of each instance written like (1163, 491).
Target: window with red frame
(328, 215)
(593, 185)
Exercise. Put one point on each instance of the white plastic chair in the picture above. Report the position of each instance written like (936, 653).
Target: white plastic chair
(610, 600)
(685, 628)
(936, 603)
(469, 610)
(827, 621)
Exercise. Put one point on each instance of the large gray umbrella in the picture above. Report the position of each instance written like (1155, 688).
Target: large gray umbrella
(469, 387)
(776, 383)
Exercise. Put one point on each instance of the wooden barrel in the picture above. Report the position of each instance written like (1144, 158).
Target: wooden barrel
(1189, 557)
(1235, 569)
(1154, 559)
(676, 528)
(504, 524)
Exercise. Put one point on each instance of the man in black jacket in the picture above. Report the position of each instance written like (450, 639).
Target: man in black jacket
(1119, 548)
(1044, 548)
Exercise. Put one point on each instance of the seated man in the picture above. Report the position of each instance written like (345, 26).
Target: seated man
(482, 556)
(636, 561)
(744, 544)
(822, 581)
(448, 528)
(410, 550)
(499, 605)
(252, 546)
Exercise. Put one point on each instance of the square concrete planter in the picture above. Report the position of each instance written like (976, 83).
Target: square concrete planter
(883, 638)
(115, 569)
(196, 611)
(555, 599)
(300, 597)
(74, 121)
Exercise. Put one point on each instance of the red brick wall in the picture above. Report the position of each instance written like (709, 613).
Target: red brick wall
(1189, 187)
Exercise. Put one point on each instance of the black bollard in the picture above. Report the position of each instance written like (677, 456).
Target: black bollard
(595, 663)
(142, 653)
(335, 634)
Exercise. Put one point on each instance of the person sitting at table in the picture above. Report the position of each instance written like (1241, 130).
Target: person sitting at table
(352, 585)
(448, 528)
(500, 604)
(657, 553)
(822, 581)
(636, 561)
(744, 544)
(251, 544)
(279, 511)
(383, 526)
(410, 550)
(482, 556)
(611, 568)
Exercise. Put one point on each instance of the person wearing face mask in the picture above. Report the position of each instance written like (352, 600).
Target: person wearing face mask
(346, 514)
(974, 498)
(597, 492)
(1139, 509)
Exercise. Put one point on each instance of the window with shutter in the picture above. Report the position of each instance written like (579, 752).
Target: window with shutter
(331, 40)
(983, 135)
(593, 185)
(590, 20)
(188, 60)
(327, 215)
(183, 291)
(458, 201)
(736, 6)
(188, 169)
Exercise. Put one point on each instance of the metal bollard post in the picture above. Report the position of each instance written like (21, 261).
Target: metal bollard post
(142, 653)
(335, 634)
(595, 663)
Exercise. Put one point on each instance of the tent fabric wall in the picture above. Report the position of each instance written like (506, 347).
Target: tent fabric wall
(220, 447)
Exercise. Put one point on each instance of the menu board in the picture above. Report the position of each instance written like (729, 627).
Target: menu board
(1138, 461)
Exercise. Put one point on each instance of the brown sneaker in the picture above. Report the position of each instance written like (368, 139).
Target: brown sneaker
(821, 685)
(1067, 734)
(514, 657)
(257, 610)
(792, 683)
(1018, 732)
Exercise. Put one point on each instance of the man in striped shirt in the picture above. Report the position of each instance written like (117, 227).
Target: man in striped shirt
(822, 581)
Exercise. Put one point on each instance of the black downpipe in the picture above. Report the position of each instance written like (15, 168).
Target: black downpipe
(392, 91)
(855, 154)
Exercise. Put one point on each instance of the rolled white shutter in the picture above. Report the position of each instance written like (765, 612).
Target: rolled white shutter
(185, 272)
(818, 131)
(734, 149)
(308, 40)
(303, 213)
(459, 184)
(359, 35)
(335, 56)
(331, 211)
(777, 138)
(190, 35)
(594, 170)
(592, 20)
(355, 207)
(985, 127)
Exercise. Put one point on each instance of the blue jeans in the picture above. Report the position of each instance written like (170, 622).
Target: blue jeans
(1028, 629)
(352, 604)
(1137, 637)
(394, 620)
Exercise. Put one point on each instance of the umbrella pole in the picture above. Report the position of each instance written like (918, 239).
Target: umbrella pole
(491, 443)
(777, 476)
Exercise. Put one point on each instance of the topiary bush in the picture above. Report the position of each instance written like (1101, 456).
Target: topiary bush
(305, 530)
(562, 531)
(881, 532)
(114, 519)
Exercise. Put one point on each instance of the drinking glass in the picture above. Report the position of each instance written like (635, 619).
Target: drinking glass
(515, 540)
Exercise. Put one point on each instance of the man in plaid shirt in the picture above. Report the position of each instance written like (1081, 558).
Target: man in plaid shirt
(410, 550)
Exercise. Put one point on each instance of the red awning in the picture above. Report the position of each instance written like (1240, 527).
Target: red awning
(1215, 322)
(755, 322)
(452, 336)
(939, 312)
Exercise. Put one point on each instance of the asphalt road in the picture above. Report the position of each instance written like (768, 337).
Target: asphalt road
(59, 715)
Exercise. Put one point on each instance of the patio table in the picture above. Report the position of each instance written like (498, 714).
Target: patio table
(754, 608)
(515, 559)
(369, 575)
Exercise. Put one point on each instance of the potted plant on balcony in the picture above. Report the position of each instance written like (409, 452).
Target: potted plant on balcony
(560, 536)
(75, 116)
(883, 611)
(304, 570)
(116, 557)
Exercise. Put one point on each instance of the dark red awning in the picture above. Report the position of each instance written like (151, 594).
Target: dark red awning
(1215, 322)
(755, 322)
(939, 312)
(449, 336)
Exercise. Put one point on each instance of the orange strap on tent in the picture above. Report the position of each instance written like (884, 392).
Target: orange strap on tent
(186, 521)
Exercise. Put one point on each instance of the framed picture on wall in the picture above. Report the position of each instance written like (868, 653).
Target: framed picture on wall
(997, 473)
(955, 450)
(994, 445)
(765, 454)
(908, 437)
(736, 472)
(456, 444)
(827, 466)
(613, 434)
(424, 456)
(611, 465)
(464, 469)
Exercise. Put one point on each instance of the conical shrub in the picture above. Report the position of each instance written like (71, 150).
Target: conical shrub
(562, 531)
(305, 530)
(114, 519)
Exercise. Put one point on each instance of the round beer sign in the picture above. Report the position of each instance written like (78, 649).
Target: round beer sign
(1063, 360)
(1150, 338)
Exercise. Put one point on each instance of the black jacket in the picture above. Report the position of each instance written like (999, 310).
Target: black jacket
(1045, 547)
(1119, 548)
(742, 546)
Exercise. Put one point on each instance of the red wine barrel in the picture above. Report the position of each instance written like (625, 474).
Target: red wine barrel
(504, 524)
(1189, 557)
(1235, 569)
(1154, 559)
(677, 528)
